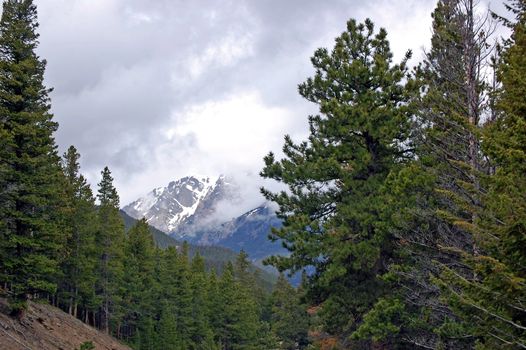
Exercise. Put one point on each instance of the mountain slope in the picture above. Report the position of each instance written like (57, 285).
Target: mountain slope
(248, 232)
(162, 240)
(190, 209)
(183, 204)
(215, 256)
(47, 328)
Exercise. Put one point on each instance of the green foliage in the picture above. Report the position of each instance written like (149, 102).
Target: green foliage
(289, 320)
(31, 197)
(490, 302)
(382, 321)
(138, 279)
(200, 331)
(335, 214)
(167, 330)
(79, 262)
(238, 322)
(109, 241)
(87, 345)
(436, 194)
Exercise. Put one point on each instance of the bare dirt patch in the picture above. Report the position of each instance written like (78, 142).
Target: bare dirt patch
(44, 327)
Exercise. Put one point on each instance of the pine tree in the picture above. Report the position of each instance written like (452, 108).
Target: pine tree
(31, 194)
(175, 282)
(78, 267)
(241, 269)
(110, 240)
(183, 297)
(450, 113)
(248, 279)
(146, 336)
(452, 166)
(432, 196)
(335, 214)
(290, 321)
(200, 332)
(168, 271)
(238, 318)
(167, 329)
(138, 280)
(491, 302)
(214, 305)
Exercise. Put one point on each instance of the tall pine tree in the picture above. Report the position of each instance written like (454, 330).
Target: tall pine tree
(238, 317)
(31, 193)
(79, 264)
(491, 303)
(138, 280)
(335, 214)
(290, 321)
(200, 332)
(452, 106)
(110, 241)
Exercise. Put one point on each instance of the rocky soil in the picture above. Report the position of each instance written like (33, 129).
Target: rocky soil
(44, 327)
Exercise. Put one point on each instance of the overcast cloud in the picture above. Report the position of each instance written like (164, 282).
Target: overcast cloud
(159, 89)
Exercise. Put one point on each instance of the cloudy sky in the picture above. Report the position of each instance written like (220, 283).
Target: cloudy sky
(159, 89)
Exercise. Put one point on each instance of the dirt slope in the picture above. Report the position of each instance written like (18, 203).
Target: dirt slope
(48, 328)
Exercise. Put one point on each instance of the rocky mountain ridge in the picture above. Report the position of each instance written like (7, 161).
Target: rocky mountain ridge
(182, 204)
(188, 209)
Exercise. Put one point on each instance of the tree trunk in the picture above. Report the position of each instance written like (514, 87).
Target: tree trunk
(75, 304)
(472, 68)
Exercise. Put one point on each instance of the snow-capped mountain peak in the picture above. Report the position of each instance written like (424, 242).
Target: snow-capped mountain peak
(169, 208)
(210, 211)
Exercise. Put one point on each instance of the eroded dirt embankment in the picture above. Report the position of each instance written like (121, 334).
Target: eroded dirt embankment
(44, 327)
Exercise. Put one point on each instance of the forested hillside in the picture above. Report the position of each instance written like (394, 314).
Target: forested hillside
(405, 208)
(63, 244)
(215, 258)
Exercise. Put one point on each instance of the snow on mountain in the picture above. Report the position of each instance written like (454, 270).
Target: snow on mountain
(248, 232)
(183, 204)
(209, 211)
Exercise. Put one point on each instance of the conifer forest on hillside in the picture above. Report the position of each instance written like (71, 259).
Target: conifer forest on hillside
(404, 210)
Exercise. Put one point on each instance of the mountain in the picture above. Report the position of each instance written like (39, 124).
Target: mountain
(248, 232)
(184, 205)
(189, 209)
(215, 256)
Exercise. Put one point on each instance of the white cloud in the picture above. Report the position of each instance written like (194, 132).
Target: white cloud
(158, 89)
(139, 18)
(237, 128)
(227, 52)
(226, 136)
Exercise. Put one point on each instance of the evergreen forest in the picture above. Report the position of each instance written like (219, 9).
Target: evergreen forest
(404, 209)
